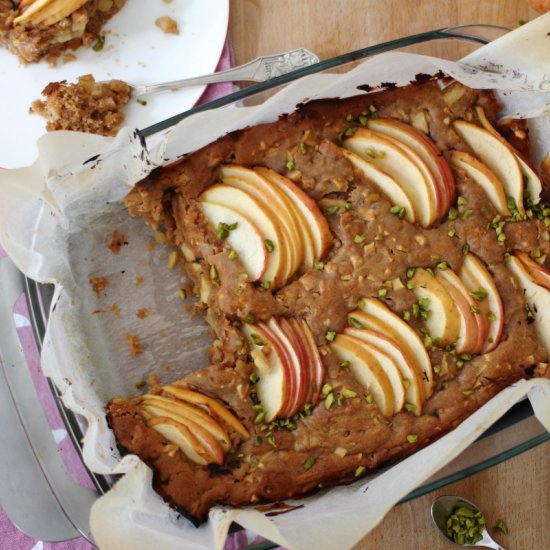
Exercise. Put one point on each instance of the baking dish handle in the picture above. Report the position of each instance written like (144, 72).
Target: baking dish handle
(36, 491)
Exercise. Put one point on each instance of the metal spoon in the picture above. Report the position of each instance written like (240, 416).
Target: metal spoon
(445, 506)
(258, 70)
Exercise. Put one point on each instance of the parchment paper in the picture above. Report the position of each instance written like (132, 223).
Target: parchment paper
(56, 221)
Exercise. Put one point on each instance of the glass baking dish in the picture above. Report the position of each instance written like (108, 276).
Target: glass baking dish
(515, 432)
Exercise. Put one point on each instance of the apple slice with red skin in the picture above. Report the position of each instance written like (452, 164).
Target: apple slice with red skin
(317, 366)
(443, 322)
(476, 277)
(387, 364)
(474, 327)
(274, 202)
(276, 378)
(377, 316)
(532, 182)
(211, 445)
(366, 370)
(410, 377)
(269, 227)
(390, 157)
(421, 144)
(296, 397)
(219, 411)
(539, 274)
(537, 298)
(481, 174)
(165, 406)
(181, 436)
(496, 156)
(315, 230)
(245, 239)
(296, 338)
(384, 182)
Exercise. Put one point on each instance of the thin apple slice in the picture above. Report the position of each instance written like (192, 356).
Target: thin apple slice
(276, 377)
(270, 229)
(537, 298)
(385, 154)
(384, 182)
(539, 274)
(497, 157)
(316, 365)
(180, 435)
(474, 327)
(426, 149)
(443, 322)
(274, 202)
(367, 371)
(314, 221)
(212, 446)
(245, 239)
(531, 181)
(165, 406)
(387, 364)
(218, 410)
(378, 317)
(297, 399)
(482, 175)
(477, 279)
(293, 332)
(411, 379)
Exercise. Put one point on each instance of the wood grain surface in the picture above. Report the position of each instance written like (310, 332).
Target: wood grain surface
(517, 490)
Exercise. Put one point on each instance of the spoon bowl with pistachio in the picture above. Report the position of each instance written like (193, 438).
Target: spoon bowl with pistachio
(461, 522)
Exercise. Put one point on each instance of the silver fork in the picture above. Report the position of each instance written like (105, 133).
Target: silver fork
(258, 70)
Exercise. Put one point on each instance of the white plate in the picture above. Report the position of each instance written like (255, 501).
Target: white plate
(136, 51)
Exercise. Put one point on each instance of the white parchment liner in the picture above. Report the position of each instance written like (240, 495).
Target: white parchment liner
(57, 219)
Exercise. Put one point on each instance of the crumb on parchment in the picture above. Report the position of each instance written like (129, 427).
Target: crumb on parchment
(167, 25)
(117, 242)
(99, 284)
(134, 345)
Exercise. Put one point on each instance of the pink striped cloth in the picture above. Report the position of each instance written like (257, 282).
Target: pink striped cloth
(10, 537)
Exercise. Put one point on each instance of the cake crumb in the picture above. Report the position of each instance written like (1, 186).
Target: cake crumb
(117, 242)
(99, 284)
(167, 25)
(87, 106)
(134, 345)
(142, 313)
(138, 281)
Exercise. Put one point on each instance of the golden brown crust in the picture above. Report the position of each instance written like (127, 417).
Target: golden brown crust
(328, 445)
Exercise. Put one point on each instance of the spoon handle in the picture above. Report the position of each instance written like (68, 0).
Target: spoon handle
(488, 542)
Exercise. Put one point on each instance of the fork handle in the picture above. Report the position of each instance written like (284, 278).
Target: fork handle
(258, 70)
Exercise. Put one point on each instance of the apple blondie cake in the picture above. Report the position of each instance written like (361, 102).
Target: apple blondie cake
(37, 29)
(373, 269)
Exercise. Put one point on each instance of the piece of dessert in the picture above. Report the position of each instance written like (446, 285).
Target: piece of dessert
(373, 269)
(37, 29)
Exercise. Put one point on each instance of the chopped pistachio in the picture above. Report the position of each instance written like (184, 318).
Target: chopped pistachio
(319, 266)
(182, 294)
(348, 394)
(500, 527)
(467, 393)
(303, 147)
(453, 213)
(410, 407)
(309, 463)
(369, 398)
(214, 273)
(424, 302)
(258, 440)
(253, 377)
(345, 364)
(256, 339)
(461, 201)
(326, 389)
(99, 43)
(290, 165)
(358, 239)
(348, 206)
(361, 304)
(407, 315)
(537, 253)
(465, 249)
(382, 292)
(451, 233)
(232, 255)
(330, 210)
(259, 418)
(491, 316)
(362, 120)
(141, 101)
(249, 318)
(479, 294)
(437, 369)
(329, 401)
(466, 214)
(464, 526)
(355, 322)
(406, 383)
(412, 438)
(501, 238)
(266, 285)
(410, 284)
(410, 272)
(330, 335)
(442, 266)
(269, 245)
(359, 471)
